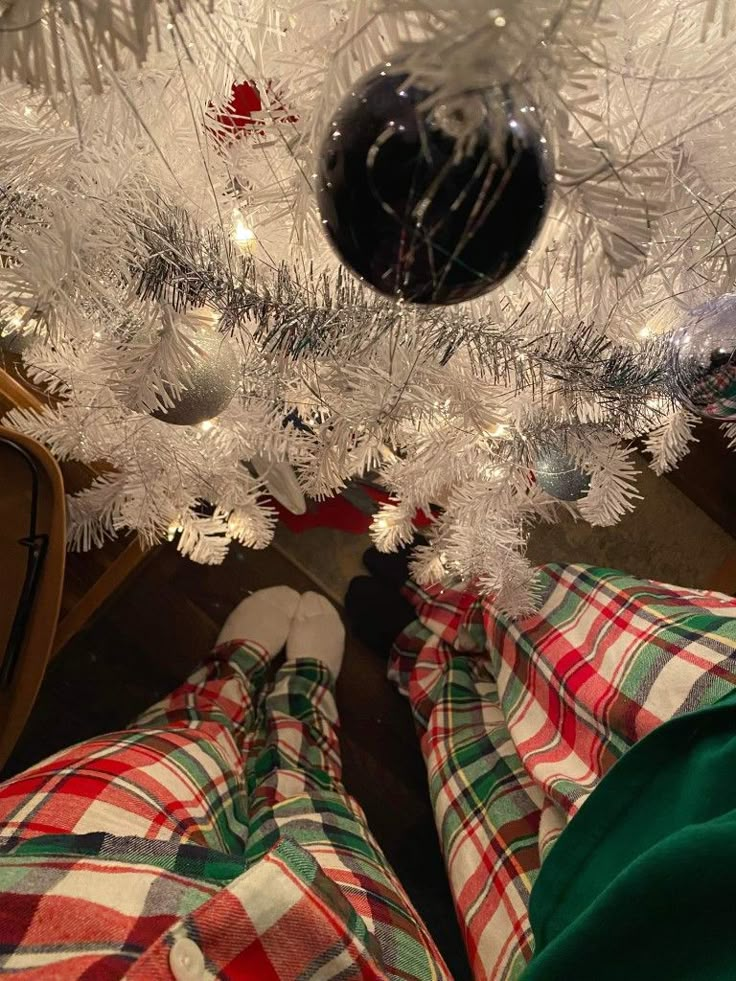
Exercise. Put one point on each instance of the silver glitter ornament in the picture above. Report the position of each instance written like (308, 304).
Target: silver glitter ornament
(560, 476)
(703, 359)
(209, 385)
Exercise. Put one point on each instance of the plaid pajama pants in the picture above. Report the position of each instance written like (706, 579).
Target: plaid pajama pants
(203, 786)
(519, 721)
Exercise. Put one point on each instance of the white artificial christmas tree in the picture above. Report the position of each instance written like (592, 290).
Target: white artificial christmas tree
(141, 224)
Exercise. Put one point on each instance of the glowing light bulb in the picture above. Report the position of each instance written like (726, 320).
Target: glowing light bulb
(207, 426)
(174, 529)
(243, 236)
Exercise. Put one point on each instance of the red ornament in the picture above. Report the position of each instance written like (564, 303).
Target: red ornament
(237, 118)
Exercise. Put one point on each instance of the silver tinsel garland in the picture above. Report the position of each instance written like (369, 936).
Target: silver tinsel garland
(302, 314)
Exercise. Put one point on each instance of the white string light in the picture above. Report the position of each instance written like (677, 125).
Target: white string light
(174, 529)
(242, 234)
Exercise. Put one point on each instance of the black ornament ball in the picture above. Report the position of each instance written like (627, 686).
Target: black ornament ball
(433, 201)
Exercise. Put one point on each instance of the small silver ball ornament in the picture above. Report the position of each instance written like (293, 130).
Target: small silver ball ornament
(703, 359)
(560, 476)
(209, 385)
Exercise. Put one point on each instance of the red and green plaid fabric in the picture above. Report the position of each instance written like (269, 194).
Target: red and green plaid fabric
(716, 392)
(219, 817)
(567, 691)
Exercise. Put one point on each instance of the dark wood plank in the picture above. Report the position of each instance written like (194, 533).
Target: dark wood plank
(707, 475)
(98, 592)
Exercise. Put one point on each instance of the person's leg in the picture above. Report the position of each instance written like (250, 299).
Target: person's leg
(605, 660)
(296, 793)
(177, 772)
(489, 814)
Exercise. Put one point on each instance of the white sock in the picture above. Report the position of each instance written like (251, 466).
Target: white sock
(264, 617)
(317, 631)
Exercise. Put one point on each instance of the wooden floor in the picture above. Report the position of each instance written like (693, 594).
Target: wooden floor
(707, 475)
(155, 630)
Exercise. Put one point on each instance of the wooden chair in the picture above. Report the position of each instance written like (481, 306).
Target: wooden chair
(32, 559)
(91, 579)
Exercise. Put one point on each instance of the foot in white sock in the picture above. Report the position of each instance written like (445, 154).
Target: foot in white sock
(263, 617)
(317, 631)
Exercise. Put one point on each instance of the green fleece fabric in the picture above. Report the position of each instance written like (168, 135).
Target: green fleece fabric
(642, 883)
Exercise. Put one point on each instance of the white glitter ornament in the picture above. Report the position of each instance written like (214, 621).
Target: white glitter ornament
(208, 386)
(560, 476)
